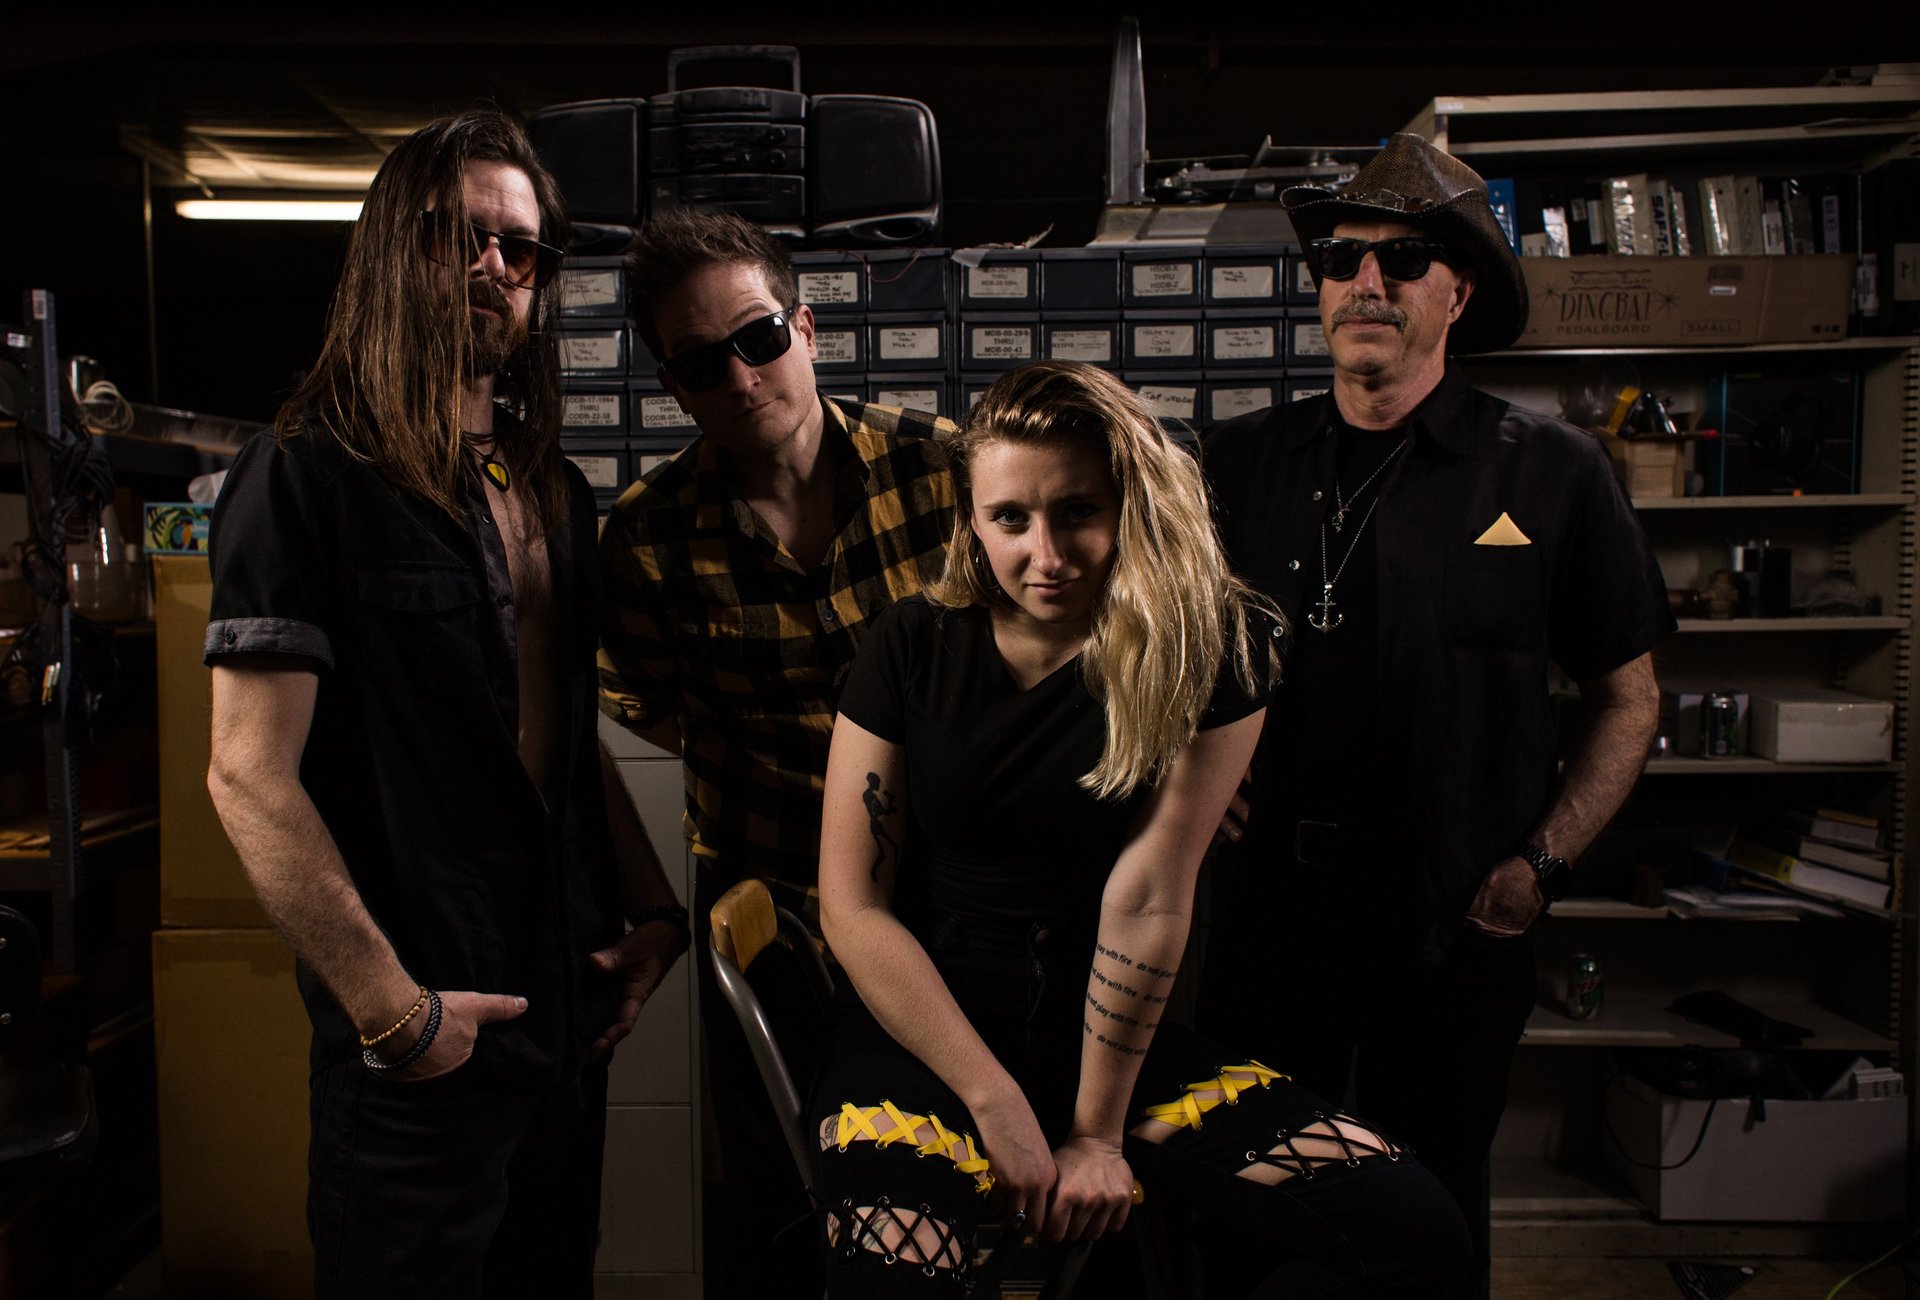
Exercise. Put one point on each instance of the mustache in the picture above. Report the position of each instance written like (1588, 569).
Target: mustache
(485, 293)
(1370, 309)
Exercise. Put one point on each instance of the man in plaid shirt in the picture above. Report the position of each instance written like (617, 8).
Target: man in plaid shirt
(740, 575)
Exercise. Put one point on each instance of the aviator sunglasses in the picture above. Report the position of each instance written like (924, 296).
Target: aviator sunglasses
(1405, 257)
(530, 264)
(756, 343)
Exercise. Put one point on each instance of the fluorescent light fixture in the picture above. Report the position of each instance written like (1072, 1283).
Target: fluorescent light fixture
(269, 209)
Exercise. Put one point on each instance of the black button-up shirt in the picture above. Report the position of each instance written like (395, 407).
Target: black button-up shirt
(1465, 627)
(412, 760)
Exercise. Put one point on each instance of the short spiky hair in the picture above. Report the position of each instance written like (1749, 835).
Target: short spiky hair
(676, 243)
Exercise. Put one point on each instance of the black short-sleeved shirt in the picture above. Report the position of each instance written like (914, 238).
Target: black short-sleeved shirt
(408, 617)
(1000, 829)
(1465, 629)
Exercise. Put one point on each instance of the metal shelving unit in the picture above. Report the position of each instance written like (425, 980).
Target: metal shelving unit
(1849, 979)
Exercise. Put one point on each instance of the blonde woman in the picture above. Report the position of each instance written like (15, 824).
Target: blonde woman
(1029, 763)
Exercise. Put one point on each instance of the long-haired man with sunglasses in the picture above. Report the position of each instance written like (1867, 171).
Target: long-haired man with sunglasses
(404, 747)
(740, 577)
(1435, 547)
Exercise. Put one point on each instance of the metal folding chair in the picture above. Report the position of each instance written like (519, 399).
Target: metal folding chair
(745, 923)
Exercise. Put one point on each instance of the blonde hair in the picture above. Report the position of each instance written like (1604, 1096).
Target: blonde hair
(1171, 611)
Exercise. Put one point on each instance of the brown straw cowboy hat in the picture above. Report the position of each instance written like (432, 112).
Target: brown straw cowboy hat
(1411, 181)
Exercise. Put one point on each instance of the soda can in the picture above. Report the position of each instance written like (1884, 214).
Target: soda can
(1586, 993)
(1719, 726)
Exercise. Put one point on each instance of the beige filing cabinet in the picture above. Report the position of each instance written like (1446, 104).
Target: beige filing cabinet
(650, 1191)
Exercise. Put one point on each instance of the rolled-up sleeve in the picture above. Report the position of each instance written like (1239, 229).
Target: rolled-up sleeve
(269, 562)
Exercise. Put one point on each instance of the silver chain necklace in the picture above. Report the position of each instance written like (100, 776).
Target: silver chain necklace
(1325, 617)
(1343, 504)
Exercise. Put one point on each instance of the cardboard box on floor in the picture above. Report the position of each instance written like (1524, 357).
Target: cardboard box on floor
(231, 1045)
(1806, 1162)
(1686, 301)
(201, 882)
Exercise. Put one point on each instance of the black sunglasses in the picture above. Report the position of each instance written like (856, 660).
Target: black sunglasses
(756, 343)
(1406, 257)
(530, 264)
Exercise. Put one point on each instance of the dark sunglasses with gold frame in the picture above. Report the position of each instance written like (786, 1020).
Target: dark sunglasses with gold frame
(529, 263)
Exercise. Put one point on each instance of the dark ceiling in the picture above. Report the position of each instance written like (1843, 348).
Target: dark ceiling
(244, 103)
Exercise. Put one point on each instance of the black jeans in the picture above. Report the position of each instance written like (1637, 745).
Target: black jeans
(451, 1187)
(1376, 1225)
(1314, 970)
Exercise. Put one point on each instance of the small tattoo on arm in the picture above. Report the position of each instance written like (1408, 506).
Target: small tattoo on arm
(880, 806)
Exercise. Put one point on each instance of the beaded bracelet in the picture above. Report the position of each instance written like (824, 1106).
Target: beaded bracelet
(399, 1024)
(676, 913)
(420, 1046)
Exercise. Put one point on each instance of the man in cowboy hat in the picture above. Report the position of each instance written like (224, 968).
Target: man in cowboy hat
(1435, 548)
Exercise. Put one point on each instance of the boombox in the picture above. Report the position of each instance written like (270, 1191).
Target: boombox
(850, 170)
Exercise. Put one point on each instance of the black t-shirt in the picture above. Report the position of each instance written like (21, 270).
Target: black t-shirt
(999, 827)
(413, 762)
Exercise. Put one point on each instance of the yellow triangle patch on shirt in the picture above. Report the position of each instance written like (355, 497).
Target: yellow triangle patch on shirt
(1503, 533)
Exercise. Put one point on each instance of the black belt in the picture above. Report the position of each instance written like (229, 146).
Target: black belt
(1328, 844)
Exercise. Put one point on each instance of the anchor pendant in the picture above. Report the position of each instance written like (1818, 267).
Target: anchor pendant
(1326, 619)
(1338, 519)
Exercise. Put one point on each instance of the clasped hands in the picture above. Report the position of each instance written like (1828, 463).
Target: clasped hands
(1081, 1189)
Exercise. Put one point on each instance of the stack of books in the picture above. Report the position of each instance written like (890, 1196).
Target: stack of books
(1825, 852)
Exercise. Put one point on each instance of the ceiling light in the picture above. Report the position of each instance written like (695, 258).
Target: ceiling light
(269, 209)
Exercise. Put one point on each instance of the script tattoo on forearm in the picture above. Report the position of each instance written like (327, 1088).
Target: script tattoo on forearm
(880, 806)
(1104, 1041)
(1131, 964)
(1118, 1016)
(1121, 982)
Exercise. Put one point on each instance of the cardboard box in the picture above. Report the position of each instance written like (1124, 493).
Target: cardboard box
(1813, 725)
(201, 882)
(1677, 301)
(1649, 467)
(230, 1038)
(1806, 1162)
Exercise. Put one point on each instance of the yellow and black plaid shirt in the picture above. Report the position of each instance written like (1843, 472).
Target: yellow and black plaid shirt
(710, 620)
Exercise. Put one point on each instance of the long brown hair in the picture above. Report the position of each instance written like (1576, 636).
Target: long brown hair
(399, 343)
(1171, 613)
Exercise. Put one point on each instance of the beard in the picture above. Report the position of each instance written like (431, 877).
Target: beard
(493, 339)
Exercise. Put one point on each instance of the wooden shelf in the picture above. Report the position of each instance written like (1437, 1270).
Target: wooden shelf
(1831, 501)
(1723, 625)
(1759, 767)
(1641, 1019)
